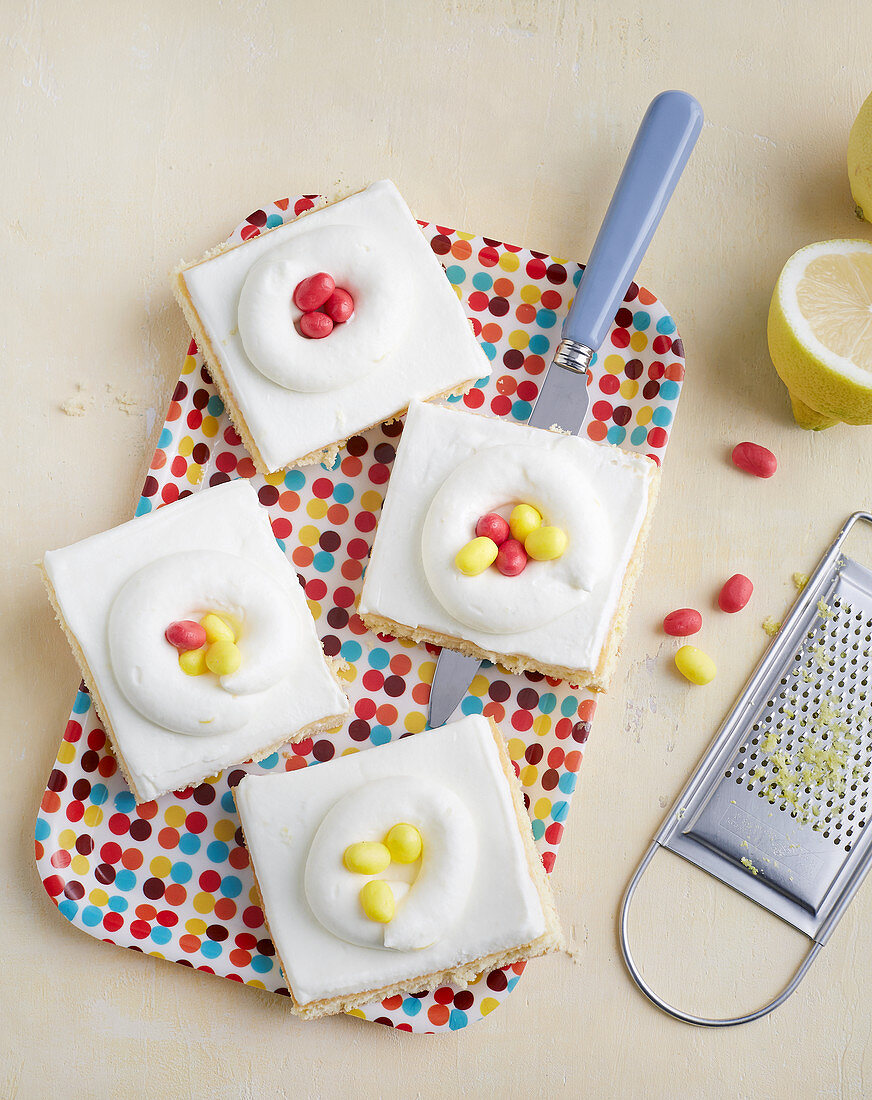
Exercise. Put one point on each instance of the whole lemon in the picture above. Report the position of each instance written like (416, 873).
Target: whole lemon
(860, 160)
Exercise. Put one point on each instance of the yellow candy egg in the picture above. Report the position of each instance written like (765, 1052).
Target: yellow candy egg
(367, 857)
(476, 556)
(193, 661)
(546, 543)
(404, 842)
(223, 657)
(217, 629)
(234, 623)
(377, 899)
(697, 666)
(523, 520)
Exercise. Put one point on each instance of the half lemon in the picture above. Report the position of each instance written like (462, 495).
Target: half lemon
(820, 333)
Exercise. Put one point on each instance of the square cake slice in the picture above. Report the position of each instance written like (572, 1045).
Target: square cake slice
(510, 543)
(296, 393)
(399, 868)
(194, 638)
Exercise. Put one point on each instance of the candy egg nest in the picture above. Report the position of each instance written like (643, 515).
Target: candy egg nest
(509, 544)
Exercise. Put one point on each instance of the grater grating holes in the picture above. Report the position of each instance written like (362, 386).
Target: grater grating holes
(810, 744)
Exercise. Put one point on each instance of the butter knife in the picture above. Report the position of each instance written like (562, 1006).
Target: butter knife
(663, 144)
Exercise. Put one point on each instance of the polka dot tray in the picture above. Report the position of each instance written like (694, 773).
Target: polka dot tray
(171, 878)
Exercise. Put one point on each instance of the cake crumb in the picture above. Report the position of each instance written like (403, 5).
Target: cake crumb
(74, 406)
(771, 626)
(126, 403)
(750, 866)
(79, 403)
(800, 580)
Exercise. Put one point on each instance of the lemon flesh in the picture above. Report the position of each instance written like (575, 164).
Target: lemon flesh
(820, 333)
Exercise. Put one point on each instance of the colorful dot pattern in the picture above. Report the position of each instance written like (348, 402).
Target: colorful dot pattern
(171, 878)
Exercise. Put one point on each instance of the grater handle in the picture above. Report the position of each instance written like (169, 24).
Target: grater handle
(671, 1010)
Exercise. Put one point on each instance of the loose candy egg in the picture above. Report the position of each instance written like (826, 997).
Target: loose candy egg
(339, 306)
(217, 629)
(367, 857)
(315, 325)
(476, 556)
(377, 899)
(523, 520)
(193, 661)
(223, 657)
(313, 292)
(493, 527)
(404, 843)
(511, 558)
(546, 543)
(754, 459)
(683, 622)
(185, 634)
(697, 666)
(735, 593)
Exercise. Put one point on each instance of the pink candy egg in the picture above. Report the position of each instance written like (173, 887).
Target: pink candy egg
(683, 622)
(493, 527)
(735, 593)
(185, 634)
(313, 292)
(754, 459)
(339, 306)
(315, 325)
(511, 556)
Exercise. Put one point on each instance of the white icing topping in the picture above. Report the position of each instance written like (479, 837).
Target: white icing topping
(557, 485)
(366, 264)
(88, 576)
(434, 356)
(432, 902)
(188, 586)
(281, 813)
(434, 443)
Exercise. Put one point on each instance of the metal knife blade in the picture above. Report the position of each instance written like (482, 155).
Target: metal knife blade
(663, 144)
(563, 400)
(453, 675)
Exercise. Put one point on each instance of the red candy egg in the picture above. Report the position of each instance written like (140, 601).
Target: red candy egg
(185, 634)
(493, 527)
(754, 459)
(683, 622)
(313, 292)
(735, 593)
(315, 325)
(511, 557)
(339, 306)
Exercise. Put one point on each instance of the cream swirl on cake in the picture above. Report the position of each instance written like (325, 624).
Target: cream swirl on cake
(551, 478)
(361, 261)
(431, 893)
(191, 584)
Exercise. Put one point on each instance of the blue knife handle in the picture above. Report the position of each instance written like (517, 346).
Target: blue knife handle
(663, 144)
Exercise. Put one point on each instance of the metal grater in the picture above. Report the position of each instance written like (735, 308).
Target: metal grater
(778, 808)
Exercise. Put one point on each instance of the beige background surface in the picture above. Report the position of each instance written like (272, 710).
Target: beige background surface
(137, 134)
